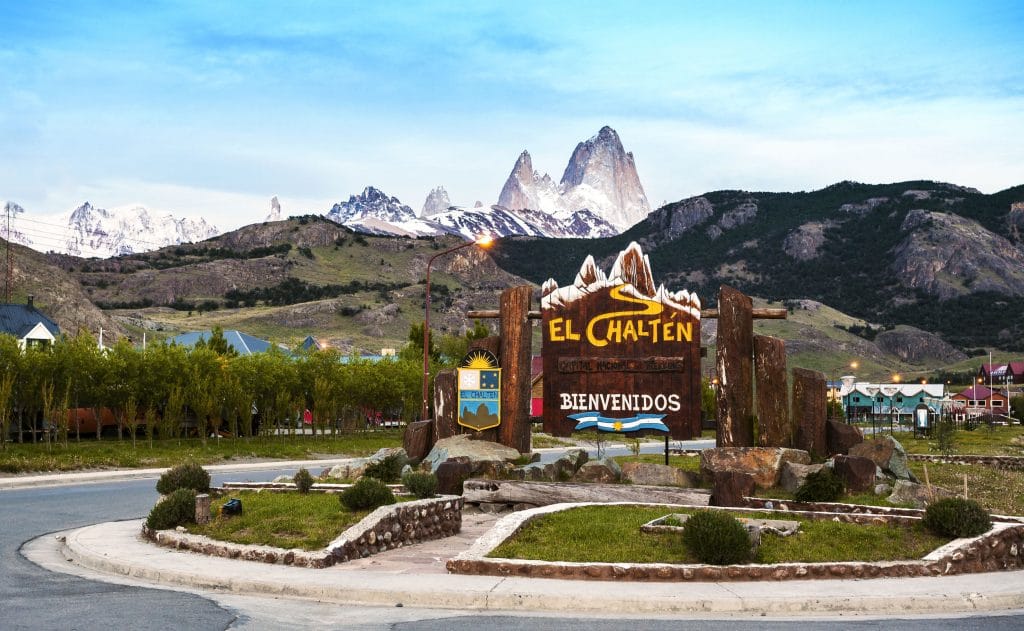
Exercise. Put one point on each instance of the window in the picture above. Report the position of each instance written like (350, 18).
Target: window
(856, 399)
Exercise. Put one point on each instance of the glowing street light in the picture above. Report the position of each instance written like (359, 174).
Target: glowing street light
(483, 242)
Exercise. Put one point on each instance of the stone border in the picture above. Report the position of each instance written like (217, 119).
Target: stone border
(1002, 548)
(1005, 463)
(386, 528)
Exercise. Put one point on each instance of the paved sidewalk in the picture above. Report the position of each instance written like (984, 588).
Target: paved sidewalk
(113, 475)
(415, 576)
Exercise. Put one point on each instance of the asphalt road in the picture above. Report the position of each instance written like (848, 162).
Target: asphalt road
(34, 598)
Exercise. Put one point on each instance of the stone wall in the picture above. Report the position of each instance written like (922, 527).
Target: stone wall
(388, 527)
(1002, 548)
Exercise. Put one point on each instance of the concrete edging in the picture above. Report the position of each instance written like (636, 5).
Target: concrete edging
(1001, 548)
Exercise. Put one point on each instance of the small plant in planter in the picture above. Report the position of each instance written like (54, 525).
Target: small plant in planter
(716, 537)
(303, 480)
(956, 517)
(366, 494)
(420, 484)
(820, 486)
(189, 475)
(177, 509)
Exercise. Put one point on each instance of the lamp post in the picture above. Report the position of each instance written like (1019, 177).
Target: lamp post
(482, 242)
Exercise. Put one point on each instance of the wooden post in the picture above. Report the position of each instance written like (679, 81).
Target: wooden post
(445, 404)
(735, 395)
(809, 411)
(773, 426)
(516, 337)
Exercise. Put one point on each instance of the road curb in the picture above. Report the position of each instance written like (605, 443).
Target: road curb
(116, 548)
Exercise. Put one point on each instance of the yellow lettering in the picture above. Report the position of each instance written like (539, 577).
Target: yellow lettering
(685, 330)
(629, 331)
(569, 335)
(668, 331)
(614, 333)
(555, 330)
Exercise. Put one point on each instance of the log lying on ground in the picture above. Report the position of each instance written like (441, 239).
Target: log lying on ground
(546, 493)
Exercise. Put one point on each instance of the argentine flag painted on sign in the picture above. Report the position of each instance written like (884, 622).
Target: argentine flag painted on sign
(587, 420)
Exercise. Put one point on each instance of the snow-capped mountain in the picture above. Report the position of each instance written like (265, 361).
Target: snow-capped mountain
(600, 177)
(599, 196)
(275, 210)
(373, 212)
(437, 202)
(88, 231)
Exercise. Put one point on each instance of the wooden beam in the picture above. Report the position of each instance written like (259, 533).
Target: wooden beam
(759, 313)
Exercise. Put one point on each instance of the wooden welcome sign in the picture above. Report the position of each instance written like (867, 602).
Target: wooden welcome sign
(620, 354)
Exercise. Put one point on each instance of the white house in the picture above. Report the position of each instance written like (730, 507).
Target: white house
(29, 325)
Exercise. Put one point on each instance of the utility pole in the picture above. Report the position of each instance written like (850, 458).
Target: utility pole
(10, 260)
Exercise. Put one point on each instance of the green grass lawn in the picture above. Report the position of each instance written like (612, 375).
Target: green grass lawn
(983, 441)
(999, 491)
(611, 534)
(283, 520)
(113, 453)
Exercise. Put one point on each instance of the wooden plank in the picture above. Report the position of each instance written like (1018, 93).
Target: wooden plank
(772, 392)
(445, 405)
(516, 351)
(546, 493)
(809, 411)
(759, 313)
(734, 361)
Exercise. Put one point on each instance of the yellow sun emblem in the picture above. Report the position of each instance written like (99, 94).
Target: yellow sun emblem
(618, 426)
(479, 359)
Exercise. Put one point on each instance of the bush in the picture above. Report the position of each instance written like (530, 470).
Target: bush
(303, 480)
(956, 517)
(177, 509)
(420, 484)
(366, 494)
(716, 537)
(184, 476)
(387, 469)
(820, 486)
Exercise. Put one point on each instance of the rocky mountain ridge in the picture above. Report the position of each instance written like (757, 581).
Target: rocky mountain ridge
(941, 257)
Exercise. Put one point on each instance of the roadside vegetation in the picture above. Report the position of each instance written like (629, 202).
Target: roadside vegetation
(610, 534)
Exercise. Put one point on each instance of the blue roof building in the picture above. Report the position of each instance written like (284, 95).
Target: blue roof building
(29, 325)
(242, 343)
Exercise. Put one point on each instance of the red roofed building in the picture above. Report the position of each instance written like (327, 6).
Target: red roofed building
(979, 400)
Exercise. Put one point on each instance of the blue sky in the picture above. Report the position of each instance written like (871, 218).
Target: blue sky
(210, 108)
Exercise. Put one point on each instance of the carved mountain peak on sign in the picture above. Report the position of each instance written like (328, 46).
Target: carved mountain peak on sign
(589, 273)
(631, 271)
(632, 266)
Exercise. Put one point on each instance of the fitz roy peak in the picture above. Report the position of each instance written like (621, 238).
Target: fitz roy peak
(600, 195)
(600, 177)
(88, 231)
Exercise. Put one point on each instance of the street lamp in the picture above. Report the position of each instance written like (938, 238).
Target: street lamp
(483, 242)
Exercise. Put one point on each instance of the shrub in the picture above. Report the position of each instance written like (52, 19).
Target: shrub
(303, 480)
(184, 476)
(366, 494)
(956, 517)
(387, 469)
(820, 486)
(420, 484)
(716, 537)
(177, 509)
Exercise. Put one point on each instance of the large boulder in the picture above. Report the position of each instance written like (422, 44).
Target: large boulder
(475, 452)
(658, 475)
(856, 472)
(348, 470)
(418, 438)
(604, 470)
(451, 474)
(841, 437)
(558, 471)
(763, 463)
(795, 474)
(888, 454)
(731, 488)
(917, 495)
